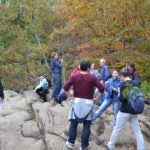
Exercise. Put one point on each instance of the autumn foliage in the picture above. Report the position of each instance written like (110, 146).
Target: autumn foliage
(89, 29)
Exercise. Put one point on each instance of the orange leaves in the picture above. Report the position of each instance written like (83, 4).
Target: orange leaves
(118, 45)
(84, 53)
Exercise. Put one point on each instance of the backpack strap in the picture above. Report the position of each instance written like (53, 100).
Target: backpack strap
(80, 120)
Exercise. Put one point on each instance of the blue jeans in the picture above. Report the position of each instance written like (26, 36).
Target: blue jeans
(102, 98)
(57, 85)
(106, 103)
(85, 132)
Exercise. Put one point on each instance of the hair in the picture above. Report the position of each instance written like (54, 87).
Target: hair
(115, 70)
(103, 60)
(131, 64)
(54, 54)
(124, 73)
(85, 65)
(38, 75)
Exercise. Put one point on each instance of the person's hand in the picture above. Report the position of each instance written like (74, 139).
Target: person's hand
(106, 83)
(61, 60)
(95, 99)
(114, 89)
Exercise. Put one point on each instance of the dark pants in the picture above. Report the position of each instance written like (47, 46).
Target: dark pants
(85, 132)
(57, 82)
(42, 93)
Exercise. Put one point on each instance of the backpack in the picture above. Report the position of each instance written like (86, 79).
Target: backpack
(136, 101)
(49, 82)
(62, 96)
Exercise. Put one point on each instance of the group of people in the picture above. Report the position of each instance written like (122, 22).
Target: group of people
(110, 88)
(91, 87)
(42, 89)
(88, 86)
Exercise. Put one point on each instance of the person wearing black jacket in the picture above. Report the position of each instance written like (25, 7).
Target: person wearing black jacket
(124, 116)
(1, 93)
(134, 75)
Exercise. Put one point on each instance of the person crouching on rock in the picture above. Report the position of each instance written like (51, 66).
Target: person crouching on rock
(42, 88)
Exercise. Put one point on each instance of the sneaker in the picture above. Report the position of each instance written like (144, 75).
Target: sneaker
(85, 148)
(2, 104)
(70, 145)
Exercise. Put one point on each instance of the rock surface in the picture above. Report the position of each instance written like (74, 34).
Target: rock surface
(26, 123)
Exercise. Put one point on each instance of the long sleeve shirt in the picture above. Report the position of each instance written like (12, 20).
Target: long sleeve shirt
(42, 84)
(56, 66)
(104, 73)
(83, 85)
(113, 83)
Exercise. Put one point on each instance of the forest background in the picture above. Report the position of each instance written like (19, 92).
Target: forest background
(30, 30)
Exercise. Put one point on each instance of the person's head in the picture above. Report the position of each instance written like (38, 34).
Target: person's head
(85, 65)
(102, 62)
(38, 76)
(54, 55)
(115, 73)
(92, 66)
(131, 67)
(124, 73)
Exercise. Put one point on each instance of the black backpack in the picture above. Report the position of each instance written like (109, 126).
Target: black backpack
(49, 82)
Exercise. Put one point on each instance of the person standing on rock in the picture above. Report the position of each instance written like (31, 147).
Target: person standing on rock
(124, 115)
(1, 94)
(56, 66)
(113, 90)
(42, 88)
(82, 103)
(103, 77)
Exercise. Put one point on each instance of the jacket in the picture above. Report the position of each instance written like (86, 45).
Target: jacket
(113, 83)
(104, 73)
(56, 66)
(43, 83)
(136, 78)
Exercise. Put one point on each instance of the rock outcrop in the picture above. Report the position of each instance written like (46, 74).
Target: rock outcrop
(26, 123)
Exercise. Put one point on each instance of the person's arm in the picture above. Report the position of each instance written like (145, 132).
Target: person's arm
(67, 86)
(106, 73)
(100, 87)
(110, 88)
(1, 91)
(52, 64)
(136, 79)
(121, 97)
(41, 84)
(59, 64)
(102, 73)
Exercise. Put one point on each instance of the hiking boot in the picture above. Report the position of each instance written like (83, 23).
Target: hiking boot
(70, 145)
